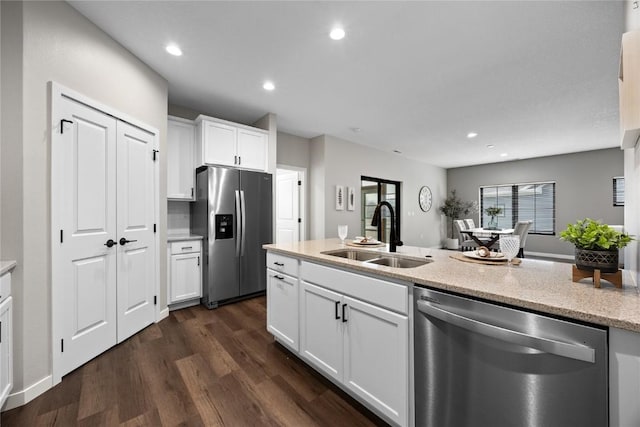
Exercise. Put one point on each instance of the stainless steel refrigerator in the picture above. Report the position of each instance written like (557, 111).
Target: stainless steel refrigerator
(233, 212)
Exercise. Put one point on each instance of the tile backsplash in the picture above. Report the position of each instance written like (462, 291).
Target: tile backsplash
(178, 217)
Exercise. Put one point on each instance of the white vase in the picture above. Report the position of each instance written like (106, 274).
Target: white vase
(452, 244)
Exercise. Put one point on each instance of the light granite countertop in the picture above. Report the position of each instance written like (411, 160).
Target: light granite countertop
(543, 286)
(6, 266)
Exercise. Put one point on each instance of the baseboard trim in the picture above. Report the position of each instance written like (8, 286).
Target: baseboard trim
(25, 396)
(164, 313)
(548, 255)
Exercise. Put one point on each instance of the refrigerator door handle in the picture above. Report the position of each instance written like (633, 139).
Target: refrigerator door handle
(547, 345)
(242, 244)
(238, 218)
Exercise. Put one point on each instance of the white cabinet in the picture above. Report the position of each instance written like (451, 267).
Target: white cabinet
(321, 330)
(185, 265)
(219, 142)
(282, 308)
(6, 338)
(282, 299)
(363, 346)
(180, 158)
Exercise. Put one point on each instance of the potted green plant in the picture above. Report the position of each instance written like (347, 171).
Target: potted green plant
(453, 208)
(596, 244)
(493, 212)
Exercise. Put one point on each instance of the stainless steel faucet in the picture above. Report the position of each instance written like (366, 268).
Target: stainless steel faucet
(375, 221)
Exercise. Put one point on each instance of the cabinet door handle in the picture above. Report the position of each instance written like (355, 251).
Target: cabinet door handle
(187, 247)
(279, 277)
(344, 315)
(235, 160)
(279, 264)
(239, 160)
(337, 310)
(191, 191)
(198, 261)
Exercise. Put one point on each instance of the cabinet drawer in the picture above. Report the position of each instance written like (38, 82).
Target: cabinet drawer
(185, 247)
(393, 296)
(282, 264)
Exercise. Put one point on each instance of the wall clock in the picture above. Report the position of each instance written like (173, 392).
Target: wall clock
(425, 198)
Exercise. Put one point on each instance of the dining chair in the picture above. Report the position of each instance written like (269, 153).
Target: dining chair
(465, 242)
(470, 223)
(522, 229)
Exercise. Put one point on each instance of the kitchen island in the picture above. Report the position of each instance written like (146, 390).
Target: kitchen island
(541, 286)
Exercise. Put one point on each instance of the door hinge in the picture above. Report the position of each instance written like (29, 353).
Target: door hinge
(61, 236)
(62, 345)
(154, 154)
(154, 228)
(62, 122)
(155, 300)
(299, 182)
(299, 220)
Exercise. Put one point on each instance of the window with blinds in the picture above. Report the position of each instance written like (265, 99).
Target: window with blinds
(522, 202)
(618, 191)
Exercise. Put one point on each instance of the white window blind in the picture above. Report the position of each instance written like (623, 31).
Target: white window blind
(522, 202)
(618, 191)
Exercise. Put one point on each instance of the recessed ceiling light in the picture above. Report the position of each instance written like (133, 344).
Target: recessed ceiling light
(337, 33)
(471, 135)
(356, 129)
(174, 49)
(504, 154)
(490, 146)
(268, 86)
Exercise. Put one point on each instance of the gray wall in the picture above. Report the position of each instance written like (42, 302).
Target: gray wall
(61, 45)
(583, 188)
(343, 163)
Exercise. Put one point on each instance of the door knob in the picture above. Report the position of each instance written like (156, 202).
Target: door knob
(124, 241)
(110, 243)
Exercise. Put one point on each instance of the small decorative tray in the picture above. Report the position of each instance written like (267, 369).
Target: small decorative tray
(493, 256)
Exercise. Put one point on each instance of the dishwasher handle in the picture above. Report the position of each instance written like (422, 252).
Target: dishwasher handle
(559, 348)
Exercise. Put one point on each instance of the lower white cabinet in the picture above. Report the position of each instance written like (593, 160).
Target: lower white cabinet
(360, 345)
(282, 307)
(185, 264)
(6, 338)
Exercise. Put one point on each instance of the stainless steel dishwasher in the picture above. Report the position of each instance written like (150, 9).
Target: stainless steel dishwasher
(482, 364)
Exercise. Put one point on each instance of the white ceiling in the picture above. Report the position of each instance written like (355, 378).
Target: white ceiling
(532, 78)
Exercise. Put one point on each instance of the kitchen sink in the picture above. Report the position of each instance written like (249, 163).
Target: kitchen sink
(353, 254)
(377, 258)
(397, 262)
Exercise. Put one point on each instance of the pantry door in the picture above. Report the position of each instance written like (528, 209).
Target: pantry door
(84, 231)
(135, 220)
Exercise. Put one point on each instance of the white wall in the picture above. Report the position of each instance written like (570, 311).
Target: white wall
(60, 45)
(632, 175)
(295, 151)
(345, 163)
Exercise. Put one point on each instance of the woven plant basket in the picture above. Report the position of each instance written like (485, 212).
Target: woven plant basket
(605, 261)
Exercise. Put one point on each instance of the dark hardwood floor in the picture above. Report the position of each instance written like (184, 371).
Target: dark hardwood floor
(196, 368)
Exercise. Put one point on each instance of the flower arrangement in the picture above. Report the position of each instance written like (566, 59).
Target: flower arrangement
(493, 211)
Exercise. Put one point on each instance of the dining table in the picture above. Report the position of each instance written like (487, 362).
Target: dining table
(494, 234)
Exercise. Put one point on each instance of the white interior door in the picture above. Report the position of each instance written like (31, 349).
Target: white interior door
(84, 268)
(287, 206)
(135, 218)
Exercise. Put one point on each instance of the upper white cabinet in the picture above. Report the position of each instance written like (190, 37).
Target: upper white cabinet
(219, 142)
(629, 89)
(181, 135)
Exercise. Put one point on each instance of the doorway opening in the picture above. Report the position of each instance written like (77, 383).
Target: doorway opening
(290, 204)
(374, 191)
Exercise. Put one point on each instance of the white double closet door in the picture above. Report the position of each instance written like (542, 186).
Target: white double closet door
(104, 207)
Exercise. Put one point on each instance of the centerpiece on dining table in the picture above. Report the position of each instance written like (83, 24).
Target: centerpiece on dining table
(493, 212)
